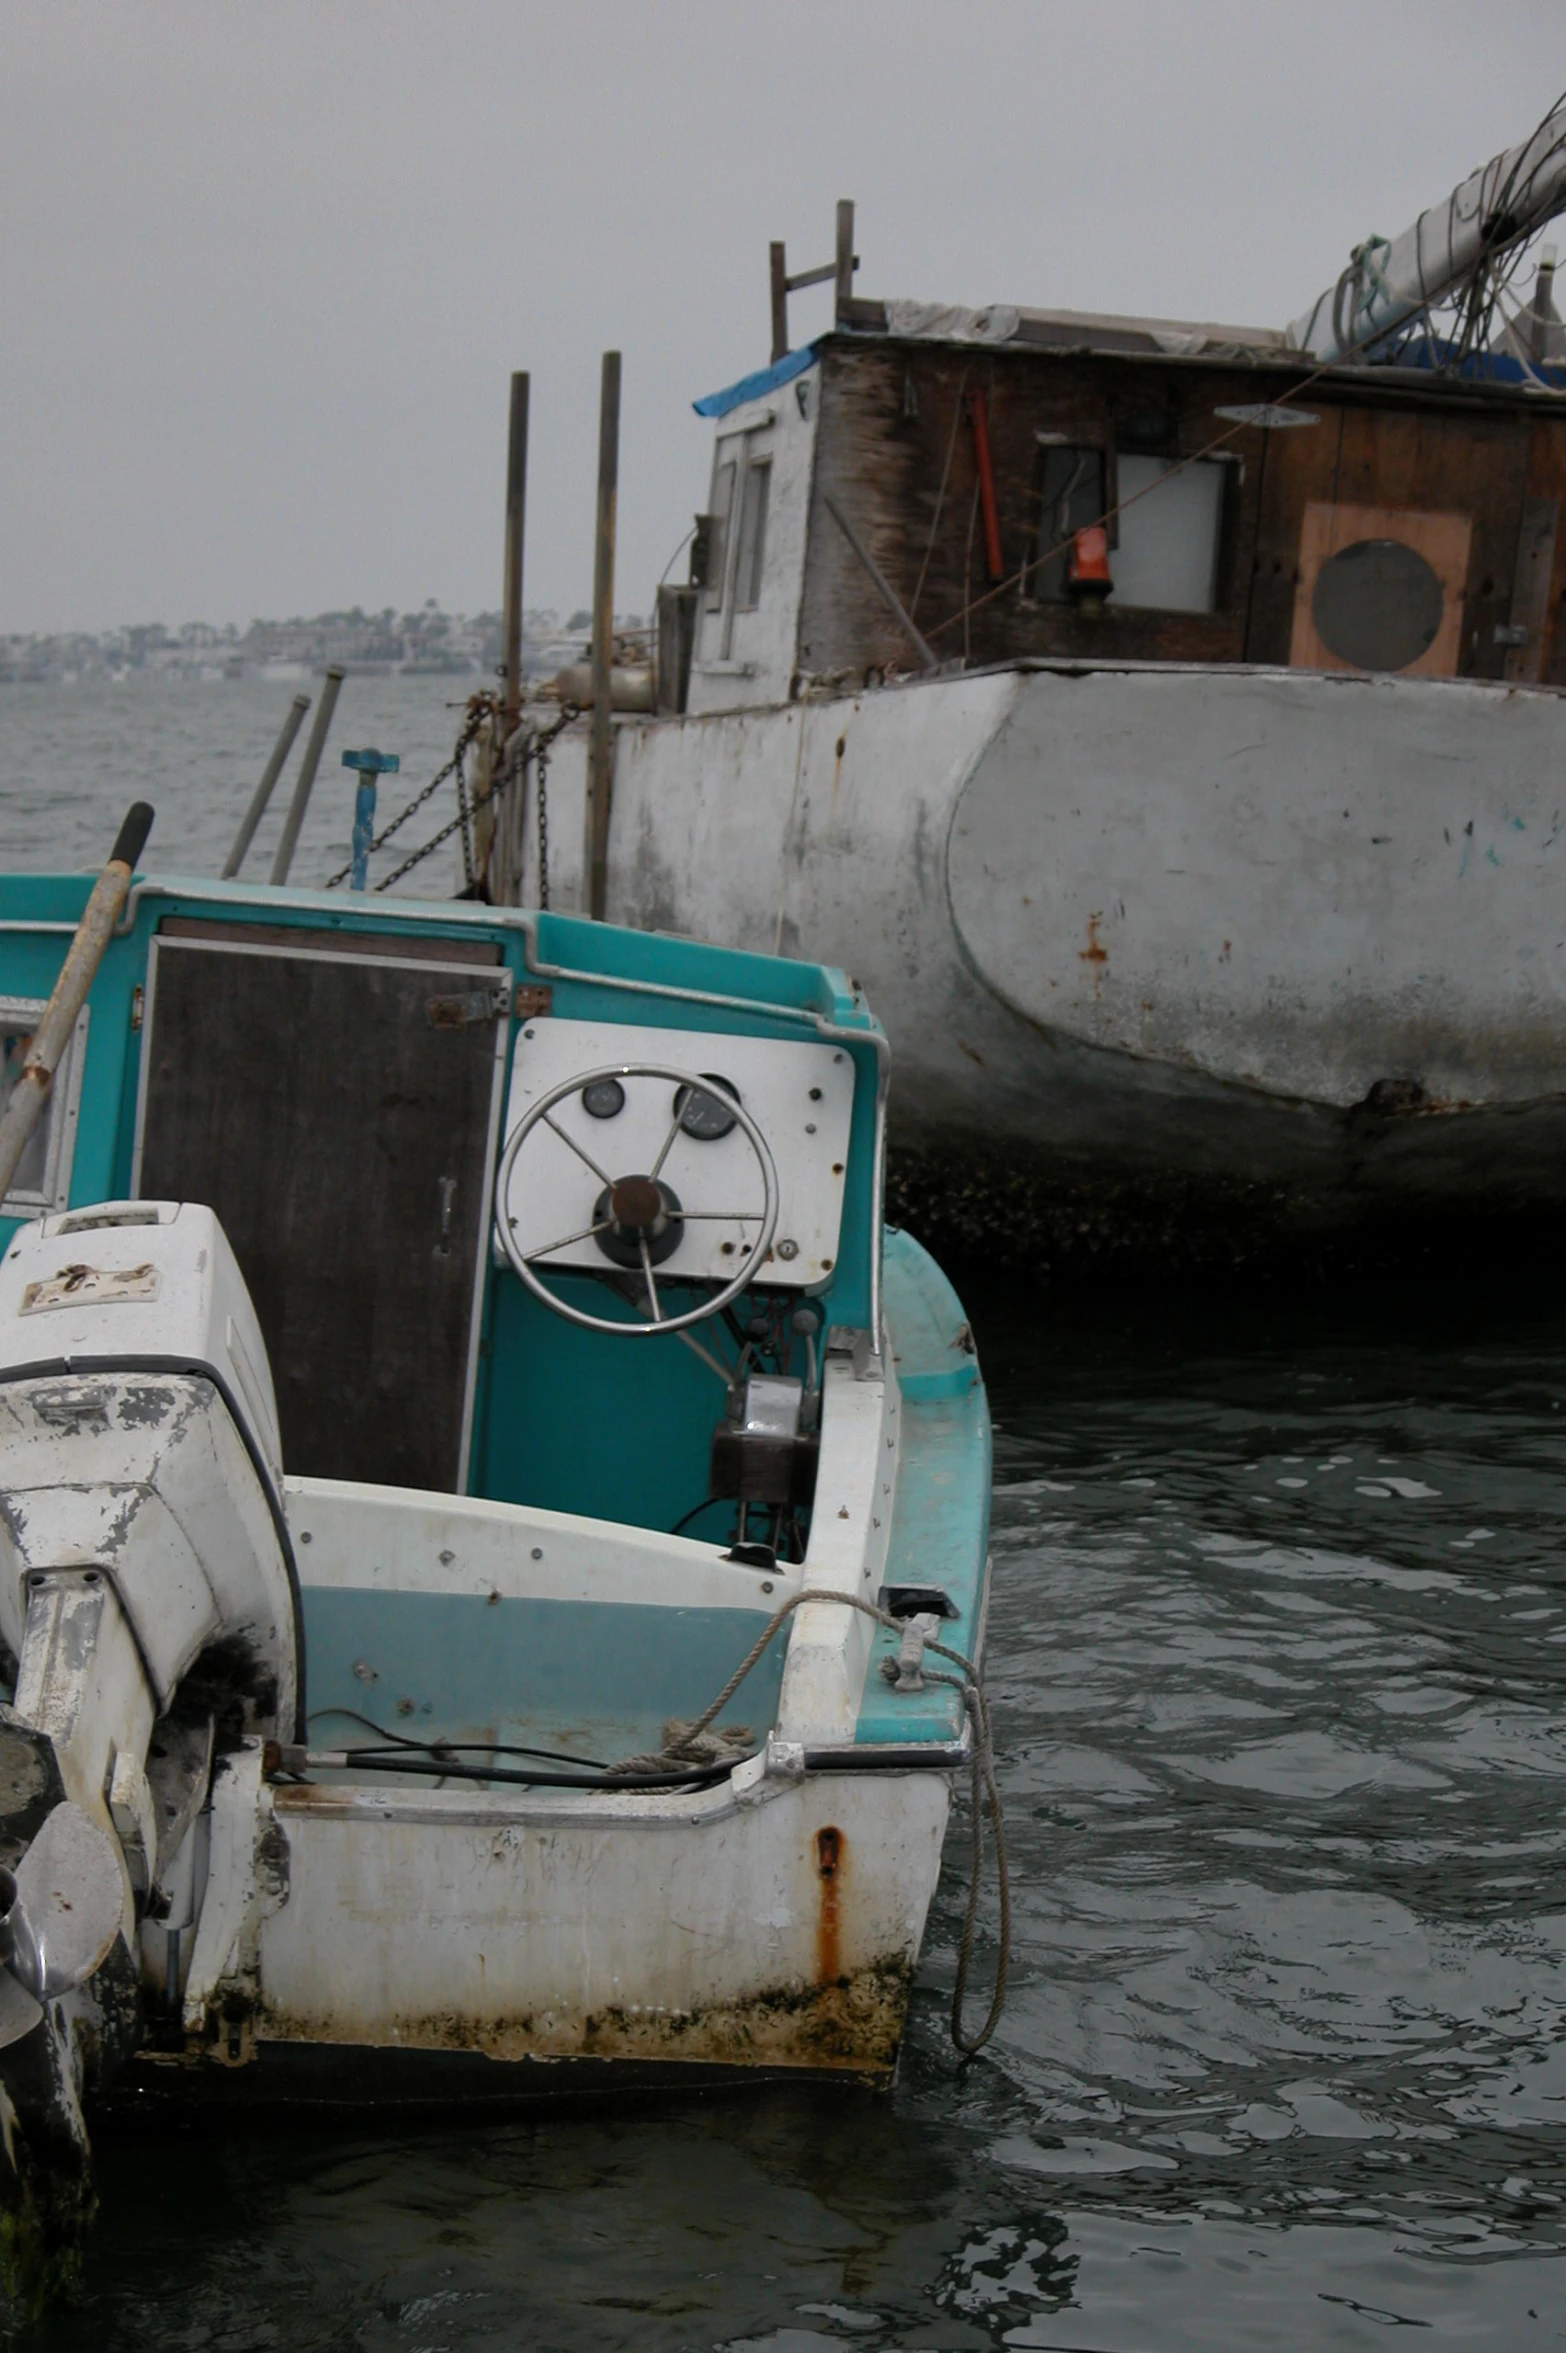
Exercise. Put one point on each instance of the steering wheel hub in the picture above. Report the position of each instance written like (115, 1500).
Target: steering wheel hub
(636, 1204)
(634, 1213)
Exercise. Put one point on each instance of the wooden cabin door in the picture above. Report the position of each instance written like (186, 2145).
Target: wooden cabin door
(335, 1099)
(1387, 540)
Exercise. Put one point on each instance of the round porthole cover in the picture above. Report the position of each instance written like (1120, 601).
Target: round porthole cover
(1377, 604)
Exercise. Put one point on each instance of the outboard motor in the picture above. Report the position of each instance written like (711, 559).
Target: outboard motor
(149, 1602)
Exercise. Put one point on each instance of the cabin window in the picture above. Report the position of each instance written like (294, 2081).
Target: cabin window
(1069, 484)
(718, 508)
(1169, 537)
(753, 535)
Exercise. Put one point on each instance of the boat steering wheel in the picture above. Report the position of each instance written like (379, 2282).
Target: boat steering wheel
(638, 1220)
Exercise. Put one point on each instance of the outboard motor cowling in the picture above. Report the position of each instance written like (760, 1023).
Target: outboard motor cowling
(139, 1439)
(145, 1580)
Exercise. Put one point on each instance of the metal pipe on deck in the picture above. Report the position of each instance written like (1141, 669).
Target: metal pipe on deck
(307, 768)
(263, 792)
(600, 752)
(1543, 308)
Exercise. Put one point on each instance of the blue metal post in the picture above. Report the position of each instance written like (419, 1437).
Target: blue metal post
(369, 765)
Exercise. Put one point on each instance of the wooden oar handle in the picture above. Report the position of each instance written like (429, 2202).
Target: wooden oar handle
(131, 839)
(69, 994)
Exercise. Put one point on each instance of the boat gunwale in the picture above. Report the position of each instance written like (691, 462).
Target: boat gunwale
(680, 1809)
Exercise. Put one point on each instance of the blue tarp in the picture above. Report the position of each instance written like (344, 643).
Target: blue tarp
(765, 380)
(1485, 367)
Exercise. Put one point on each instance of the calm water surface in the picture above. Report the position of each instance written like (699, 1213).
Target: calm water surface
(1277, 1651)
(73, 758)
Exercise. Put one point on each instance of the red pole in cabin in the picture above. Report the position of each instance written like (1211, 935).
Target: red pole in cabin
(981, 451)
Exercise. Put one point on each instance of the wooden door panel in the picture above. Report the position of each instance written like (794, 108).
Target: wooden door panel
(337, 1114)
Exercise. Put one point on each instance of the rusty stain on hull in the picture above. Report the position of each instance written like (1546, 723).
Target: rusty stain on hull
(831, 1848)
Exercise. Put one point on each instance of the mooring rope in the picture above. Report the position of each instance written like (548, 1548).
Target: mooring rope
(691, 1749)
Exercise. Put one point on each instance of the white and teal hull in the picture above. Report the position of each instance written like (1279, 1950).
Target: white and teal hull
(392, 1491)
(773, 1919)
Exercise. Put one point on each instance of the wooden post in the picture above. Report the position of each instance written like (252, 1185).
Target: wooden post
(845, 257)
(600, 752)
(779, 303)
(516, 517)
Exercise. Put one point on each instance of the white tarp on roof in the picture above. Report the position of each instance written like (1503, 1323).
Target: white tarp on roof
(949, 322)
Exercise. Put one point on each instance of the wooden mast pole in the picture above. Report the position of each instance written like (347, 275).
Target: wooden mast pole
(778, 270)
(516, 519)
(600, 754)
(843, 265)
(497, 828)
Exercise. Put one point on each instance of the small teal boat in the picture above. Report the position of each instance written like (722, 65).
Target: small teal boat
(492, 1528)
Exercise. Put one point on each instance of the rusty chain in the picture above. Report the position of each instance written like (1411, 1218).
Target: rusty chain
(479, 708)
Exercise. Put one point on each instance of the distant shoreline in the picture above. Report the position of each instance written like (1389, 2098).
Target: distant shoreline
(426, 644)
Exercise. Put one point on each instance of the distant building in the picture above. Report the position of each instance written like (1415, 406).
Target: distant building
(426, 643)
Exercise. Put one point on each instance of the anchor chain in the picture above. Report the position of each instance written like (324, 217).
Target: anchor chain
(480, 707)
(538, 752)
(541, 801)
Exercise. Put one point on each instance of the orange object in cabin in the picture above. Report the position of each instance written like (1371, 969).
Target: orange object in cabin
(1088, 577)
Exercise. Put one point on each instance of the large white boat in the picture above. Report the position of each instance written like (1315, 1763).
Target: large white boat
(1163, 721)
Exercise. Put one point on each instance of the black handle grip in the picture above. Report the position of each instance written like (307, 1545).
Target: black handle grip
(133, 834)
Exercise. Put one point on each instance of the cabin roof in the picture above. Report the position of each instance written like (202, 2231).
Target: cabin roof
(1100, 330)
(1485, 379)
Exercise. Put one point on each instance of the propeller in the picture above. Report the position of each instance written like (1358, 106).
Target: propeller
(60, 1912)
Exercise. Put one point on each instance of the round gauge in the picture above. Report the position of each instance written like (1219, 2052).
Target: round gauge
(703, 1116)
(604, 1099)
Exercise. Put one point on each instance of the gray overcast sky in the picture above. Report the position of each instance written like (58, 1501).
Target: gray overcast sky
(267, 264)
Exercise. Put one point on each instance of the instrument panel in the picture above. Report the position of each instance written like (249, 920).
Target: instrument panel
(621, 1126)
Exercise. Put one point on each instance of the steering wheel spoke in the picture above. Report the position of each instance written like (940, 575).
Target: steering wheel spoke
(577, 1148)
(653, 1301)
(548, 1249)
(667, 1145)
(637, 1221)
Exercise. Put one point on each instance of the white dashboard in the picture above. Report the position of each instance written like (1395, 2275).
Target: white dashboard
(800, 1095)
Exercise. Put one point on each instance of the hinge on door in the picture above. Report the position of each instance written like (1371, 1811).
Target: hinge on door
(458, 1012)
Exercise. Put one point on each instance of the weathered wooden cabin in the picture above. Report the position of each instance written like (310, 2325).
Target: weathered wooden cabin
(907, 501)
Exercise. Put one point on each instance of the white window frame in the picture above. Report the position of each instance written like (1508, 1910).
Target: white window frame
(62, 1111)
(748, 455)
